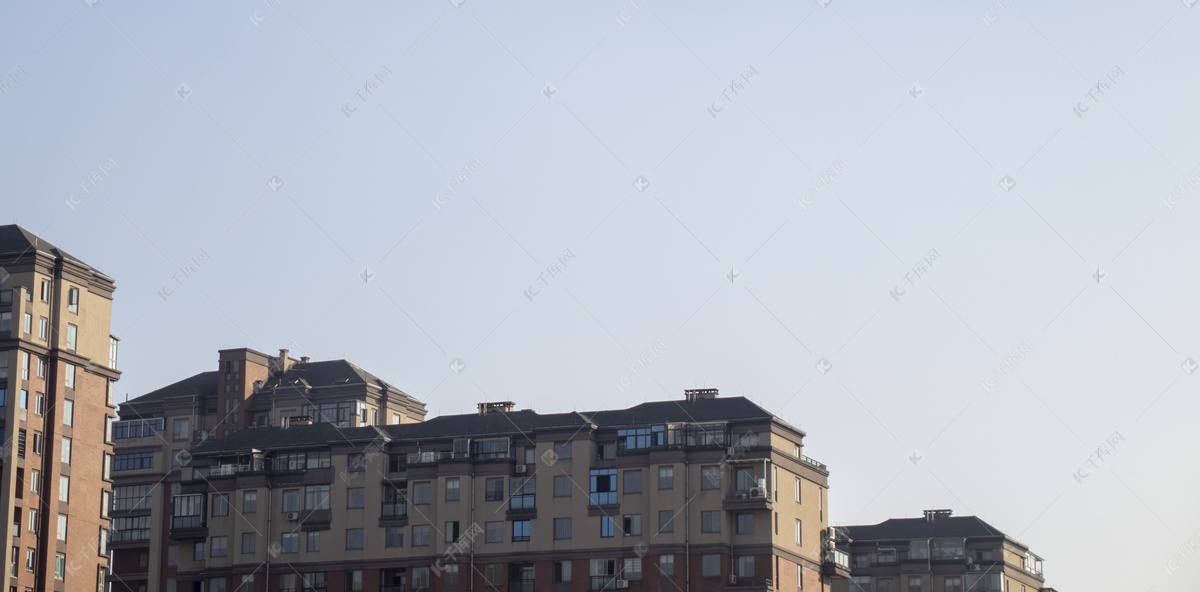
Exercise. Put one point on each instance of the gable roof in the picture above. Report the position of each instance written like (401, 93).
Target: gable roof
(16, 242)
(920, 528)
(202, 384)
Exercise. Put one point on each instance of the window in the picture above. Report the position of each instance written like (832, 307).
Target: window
(220, 504)
(37, 442)
(666, 521)
(131, 497)
(745, 479)
(249, 501)
(125, 462)
(562, 528)
(633, 481)
(562, 486)
(64, 488)
(710, 477)
(710, 565)
(66, 453)
(522, 494)
(420, 536)
(397, 463)
(180, 429)
(312, 541)
(30, 559)
(710, 522)
(354, 580)
(420, 493)
(520, 531)
(451, 532)
(43, 328)
(797, 490)
(220, 546)
(607, 527)
(393, 537)
(356, 462)
(666, 566)
(948, 549)
(198, 551)
(493, 532)
(356, 497)
(287, 582)
(41, 368)
(606, 451)
(632, 569)
(105, 502)
(5, 322)
(35, 480)
(883, 585)
(354, 539)
(632, 524)
(953, 583)
(73, 300)
(987, 582)
(562, 571)
(62, 527)
(3, 391)
(493, 490)
(603, 487)
(172, 555)
(918, 549)
(799, 533)
(316, 497)
(290, 543)
(745, 523)
(420, 578)
(666, 477)
(914, 584)
(314, 580)
(249, 542)
(72, 336)
(24, 367)
(745, 566)
(24, 399)
(69, 375)
(562, 449)
(39, 403)
(33, 520)
(68, 412)
(27, 326)
(452, 489)
(45, 291)
(291, 500)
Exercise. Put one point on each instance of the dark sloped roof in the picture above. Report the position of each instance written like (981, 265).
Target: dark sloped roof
(718, 409)
(473, 424)
(299, 436)
(920, 528)
(326, 373)
(204, 383)
(16, 241)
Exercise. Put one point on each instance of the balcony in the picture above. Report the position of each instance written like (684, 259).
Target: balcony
(606, 583)
(125, 537)
(835, 563)
(188, 527)
(393, 514)
(750, 499)
(749, 584)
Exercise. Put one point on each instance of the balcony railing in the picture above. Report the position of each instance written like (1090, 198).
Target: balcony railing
(520, 586)
(603, 498)
(394, 509)
(603, 583)
(837, 557)
(187, 522)
(129, 535)
(814, 463)
(219, 470)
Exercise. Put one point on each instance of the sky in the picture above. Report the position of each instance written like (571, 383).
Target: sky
(948, 240)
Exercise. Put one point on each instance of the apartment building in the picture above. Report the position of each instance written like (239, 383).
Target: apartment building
(937, 553)
(699, 494)
(58, 361)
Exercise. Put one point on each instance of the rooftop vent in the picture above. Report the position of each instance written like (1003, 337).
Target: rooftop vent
(931, 515)
(693, 395)
(502, 406)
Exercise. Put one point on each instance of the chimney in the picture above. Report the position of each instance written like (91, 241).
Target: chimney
(931, 515)
(304, 359)
(283, 363)
(693, 395)
(501, 406)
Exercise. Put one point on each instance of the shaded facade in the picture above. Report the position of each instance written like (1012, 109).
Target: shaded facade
(58, 361)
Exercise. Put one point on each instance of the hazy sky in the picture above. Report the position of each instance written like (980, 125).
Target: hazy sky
(743, 196)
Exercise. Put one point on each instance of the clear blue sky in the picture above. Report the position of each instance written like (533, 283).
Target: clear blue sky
(1039, 150)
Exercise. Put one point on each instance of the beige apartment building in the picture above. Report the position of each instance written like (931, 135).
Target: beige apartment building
(58, 361)
(937, 553)
(699, 494)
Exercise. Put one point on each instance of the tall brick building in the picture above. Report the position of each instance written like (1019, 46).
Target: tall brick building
(58, 361)
(348, 490)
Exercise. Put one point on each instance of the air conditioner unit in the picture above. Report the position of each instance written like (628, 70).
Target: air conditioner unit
(293, 515)
(976, 567)
(756, 492)
(622, 583)
(740, 496)
(522, 469)
(732, 451)
(733, 578)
